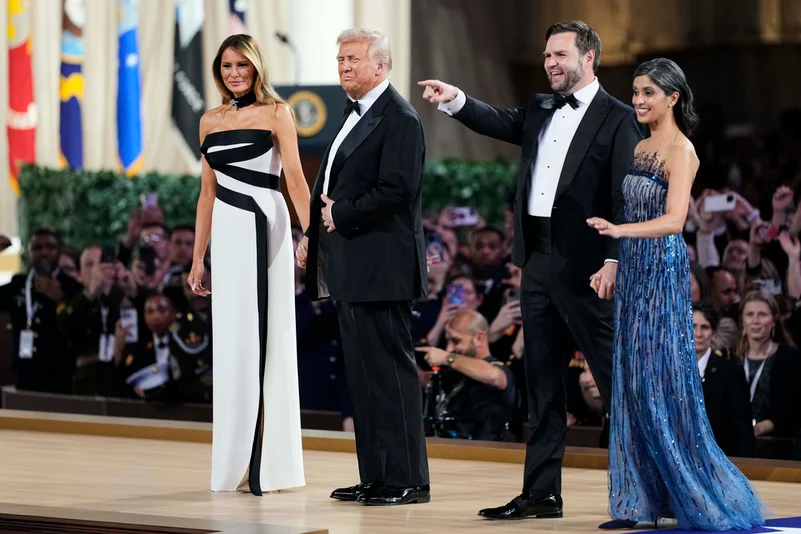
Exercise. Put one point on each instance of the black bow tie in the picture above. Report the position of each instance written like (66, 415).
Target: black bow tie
(352, 105)
(560, 101)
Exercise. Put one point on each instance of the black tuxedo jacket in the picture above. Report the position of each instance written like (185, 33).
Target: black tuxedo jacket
(728, 406)
(590, 183)
(377, 252)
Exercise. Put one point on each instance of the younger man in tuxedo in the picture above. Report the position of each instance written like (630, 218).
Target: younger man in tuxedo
(577, 145)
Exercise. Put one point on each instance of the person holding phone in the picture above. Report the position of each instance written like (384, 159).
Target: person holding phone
(89, 319)
(34, 300)
(245, 144)
(460, 293)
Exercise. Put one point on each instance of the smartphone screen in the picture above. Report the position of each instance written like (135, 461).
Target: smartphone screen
(130, 318)
(513, 294)
(150, 200)
(147, 255)
(435, 247)
(456, 294)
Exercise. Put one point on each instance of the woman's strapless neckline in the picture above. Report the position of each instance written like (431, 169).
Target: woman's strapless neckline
(238, 130)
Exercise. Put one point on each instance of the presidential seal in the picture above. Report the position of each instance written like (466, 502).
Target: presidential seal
(310, 112)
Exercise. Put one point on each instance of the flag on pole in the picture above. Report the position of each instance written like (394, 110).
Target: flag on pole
(22, 115)
(129, 119)
(71, 89)
(188, 104)
(236, 20)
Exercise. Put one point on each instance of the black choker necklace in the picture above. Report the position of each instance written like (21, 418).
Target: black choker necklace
(244, 100)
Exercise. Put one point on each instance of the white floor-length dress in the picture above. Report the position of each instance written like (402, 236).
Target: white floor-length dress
(256, 442)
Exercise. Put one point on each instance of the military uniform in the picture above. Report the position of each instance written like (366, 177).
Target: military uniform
(40, 360)
(88, 324)
(150, 366)
(191, 346)
(321, 370)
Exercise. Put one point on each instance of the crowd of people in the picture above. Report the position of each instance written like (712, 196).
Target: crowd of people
(104, 315)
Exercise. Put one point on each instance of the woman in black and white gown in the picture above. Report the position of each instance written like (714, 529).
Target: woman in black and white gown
(257, 438)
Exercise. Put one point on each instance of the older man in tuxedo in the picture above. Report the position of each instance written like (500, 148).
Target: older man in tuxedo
(365, 248)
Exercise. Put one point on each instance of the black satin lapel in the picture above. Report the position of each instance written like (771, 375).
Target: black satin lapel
(587, 129)
(356, 137)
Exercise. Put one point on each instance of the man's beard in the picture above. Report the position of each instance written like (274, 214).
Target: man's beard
(572, 77)
(470, 352)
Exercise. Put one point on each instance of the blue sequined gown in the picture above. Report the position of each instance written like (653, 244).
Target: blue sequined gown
(663, 459)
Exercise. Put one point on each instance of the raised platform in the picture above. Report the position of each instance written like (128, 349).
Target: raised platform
(577, 436)
(80, 474)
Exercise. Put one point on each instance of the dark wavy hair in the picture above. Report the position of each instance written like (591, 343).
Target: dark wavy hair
(671, 79)
(586, 38)
(708, 311)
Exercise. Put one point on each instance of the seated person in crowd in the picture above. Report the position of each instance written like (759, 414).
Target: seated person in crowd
(182, 245)
(725, 296)
(584, 404)
(771, 366)
(160, 366)
(89, 319)
(34, 300)
(191, 343)
(792, 248)
(182, 242)
(480, 392)
(505, 331)
(699, 284)
(68, 263)
(725, 389)
(321, 369)
(460, 293)
(490, 257)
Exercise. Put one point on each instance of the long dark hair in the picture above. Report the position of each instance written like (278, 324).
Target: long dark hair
(671, 79)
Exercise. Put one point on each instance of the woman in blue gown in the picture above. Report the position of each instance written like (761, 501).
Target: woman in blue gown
(663, 459)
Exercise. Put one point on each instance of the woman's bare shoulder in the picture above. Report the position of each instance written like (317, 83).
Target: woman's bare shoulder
(211, 119)
(681, 154)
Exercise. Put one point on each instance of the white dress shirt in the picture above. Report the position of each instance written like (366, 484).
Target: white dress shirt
(162, 353)
(364, 104)
(554, 141)
(703, 361)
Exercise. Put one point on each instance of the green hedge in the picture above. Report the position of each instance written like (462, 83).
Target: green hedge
(87, 207)
(483, 185)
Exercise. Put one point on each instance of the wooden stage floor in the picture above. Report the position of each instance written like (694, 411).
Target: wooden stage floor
(151, 482)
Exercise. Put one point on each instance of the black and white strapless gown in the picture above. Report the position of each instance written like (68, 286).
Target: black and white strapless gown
(256, 442)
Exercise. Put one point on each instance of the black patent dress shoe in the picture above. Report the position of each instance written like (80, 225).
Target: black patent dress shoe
(354, 492)
(394, 495)
(525, 506)
(618, 524)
